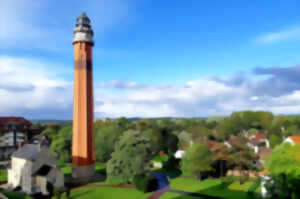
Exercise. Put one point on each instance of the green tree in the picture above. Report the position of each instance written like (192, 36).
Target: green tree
(105, 139)
(222, 156)
(62, 143)
(185, 139)
(284, 168)
(244, 157)
(275, 140)
(197, 161)
(265, 119)
(285, 159)
(132, 157)
(51, 132)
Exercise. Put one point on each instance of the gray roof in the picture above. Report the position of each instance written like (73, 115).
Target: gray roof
(28, 152)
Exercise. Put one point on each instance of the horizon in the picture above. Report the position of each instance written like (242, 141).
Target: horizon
(152, 59)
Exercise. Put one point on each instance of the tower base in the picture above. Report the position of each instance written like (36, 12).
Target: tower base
(83, 174)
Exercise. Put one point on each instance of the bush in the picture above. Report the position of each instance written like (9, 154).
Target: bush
(57, 193)
(253, 187)
(145, 183)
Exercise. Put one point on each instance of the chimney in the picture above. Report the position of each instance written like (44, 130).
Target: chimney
(21, 144)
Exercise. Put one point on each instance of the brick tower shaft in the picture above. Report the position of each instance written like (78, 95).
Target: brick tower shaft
(83, 135)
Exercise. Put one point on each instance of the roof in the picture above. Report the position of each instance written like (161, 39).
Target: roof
(255, 142)
(28, 152)
(258, 135)
(14, 120)
(43, 171)
(295, 139)
(264, 172)
(234, 139)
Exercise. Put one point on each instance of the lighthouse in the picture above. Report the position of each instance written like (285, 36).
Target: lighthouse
(83, 134)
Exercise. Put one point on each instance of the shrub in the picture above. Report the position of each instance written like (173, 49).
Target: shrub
(253, 187)
(57, 193)
(144, 183)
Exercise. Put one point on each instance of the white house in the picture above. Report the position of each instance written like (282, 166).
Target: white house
(179, 154)
(32, 167)
(292, 140)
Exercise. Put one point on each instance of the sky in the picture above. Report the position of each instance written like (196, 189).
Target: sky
(168, 58)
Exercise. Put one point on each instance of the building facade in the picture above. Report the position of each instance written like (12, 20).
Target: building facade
(13, 131)
(32, 167)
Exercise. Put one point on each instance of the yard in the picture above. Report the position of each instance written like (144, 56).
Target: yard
(3, 175)
(207, 187)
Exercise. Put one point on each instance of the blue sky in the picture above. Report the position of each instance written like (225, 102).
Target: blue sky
(145, 52)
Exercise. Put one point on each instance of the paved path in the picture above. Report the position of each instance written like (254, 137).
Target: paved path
(202, 196)
(159, 192)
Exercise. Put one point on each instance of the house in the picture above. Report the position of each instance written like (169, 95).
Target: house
(32, 167)
(179, 154)
(292, 140)
(13, 130)
(258, 140)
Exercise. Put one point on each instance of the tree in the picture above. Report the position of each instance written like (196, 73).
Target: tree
(132, 157)
(228, 127)
(105, 139)
(184, 140)
(123, 123)
(198, 132)
(162, 138)
(265, 119)
(50, 132)
(285, 159)
(244, 157)
(222, 156)
(275, 140)
(197, 161)
(284, 168)
(62, 143)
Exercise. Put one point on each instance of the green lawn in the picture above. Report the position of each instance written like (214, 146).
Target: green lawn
(209, 187)
(169, 195)
(67, 168)
(105, 193)
(15, 195)
(3, 175)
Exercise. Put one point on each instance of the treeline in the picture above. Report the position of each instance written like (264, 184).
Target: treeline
(171, 134)
(145, 140)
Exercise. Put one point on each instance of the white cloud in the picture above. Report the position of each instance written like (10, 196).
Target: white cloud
(29, 88)
(282, 35)
(28, 84)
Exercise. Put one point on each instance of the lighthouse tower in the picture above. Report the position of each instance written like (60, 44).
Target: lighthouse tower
(83, 135)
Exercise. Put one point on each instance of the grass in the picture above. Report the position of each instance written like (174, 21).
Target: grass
(14, 195)
(105, 193)
(169, 195)
(3, 175)
(67, 168)
(210, 187)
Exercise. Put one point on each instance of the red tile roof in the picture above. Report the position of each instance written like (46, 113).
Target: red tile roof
(14, 120)
(295, 139)
(259, 136)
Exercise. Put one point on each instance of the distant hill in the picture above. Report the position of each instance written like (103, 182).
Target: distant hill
(61, 122)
